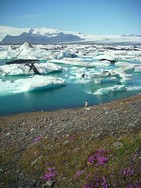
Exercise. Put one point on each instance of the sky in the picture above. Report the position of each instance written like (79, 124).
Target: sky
(87, 16)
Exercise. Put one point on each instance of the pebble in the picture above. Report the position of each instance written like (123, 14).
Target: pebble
(48, 184)
(117, 144)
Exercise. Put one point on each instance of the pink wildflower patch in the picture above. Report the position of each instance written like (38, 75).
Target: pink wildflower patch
(50, 175)
(132, 185)
(97, 182)
(128, 172)
(99, 157)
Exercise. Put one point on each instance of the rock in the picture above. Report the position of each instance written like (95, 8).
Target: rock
(7, 134)
(66, 142)
(88, 108)
(49, 183)
(117, 144)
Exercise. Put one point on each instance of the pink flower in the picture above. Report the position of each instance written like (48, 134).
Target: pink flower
(128, 172)
(50, 175)
(80, 172)
(99, 157)
(38, 138)
(131, 185)
(97, 182)
(91, 159)
(101, 160)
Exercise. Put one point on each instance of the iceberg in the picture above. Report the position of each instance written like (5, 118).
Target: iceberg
(31, 84)
(24, 69)
(104, 76)
(104, 91)
(137, 68)
(42, 82)
(74, 62)
(133, 88)
(129, 69)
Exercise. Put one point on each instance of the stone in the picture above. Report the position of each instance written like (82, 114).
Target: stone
(88, 108)
(117, 144)
(49, 183)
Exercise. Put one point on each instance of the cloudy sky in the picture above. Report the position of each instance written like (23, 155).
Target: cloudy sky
(86, 16)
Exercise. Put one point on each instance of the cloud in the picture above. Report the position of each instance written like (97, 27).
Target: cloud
(4, 30)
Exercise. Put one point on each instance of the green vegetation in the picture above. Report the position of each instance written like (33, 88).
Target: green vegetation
(69, 155)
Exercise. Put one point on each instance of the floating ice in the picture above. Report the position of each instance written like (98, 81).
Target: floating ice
(73, 62)
(23, 69)
(25, 45)
(133, 88)
(129, 69)
(137, 68)
(32, 83)
(104, 91)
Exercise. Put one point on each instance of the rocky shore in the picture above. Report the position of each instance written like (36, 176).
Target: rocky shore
(33, 142)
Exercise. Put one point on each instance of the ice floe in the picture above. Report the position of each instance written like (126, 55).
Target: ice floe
(24, 69)
(31, 83)
(103, 91)
(73, 62)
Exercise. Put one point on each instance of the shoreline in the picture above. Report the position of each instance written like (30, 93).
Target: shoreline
(67, 109)
(113, 116)
(68, 137)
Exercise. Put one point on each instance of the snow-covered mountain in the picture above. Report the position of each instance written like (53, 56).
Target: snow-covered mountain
(131, 35)
(37, 36)
(10, 35)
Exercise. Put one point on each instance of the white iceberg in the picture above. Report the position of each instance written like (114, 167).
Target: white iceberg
(23, 69)
(41, 82)
(29, 84)
(104, 76)
(104, 91)
(73, 61)
(137, 68)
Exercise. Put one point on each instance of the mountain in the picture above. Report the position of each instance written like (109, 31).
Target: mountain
(130, 35)
(11, 35)
(40, 37)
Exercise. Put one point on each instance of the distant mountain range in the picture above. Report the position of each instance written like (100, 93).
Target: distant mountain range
(40, 38)
(10, 35)
(131, 35)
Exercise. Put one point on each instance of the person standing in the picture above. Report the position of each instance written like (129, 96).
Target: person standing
(86, 103)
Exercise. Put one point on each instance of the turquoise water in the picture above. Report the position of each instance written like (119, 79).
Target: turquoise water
(72, 95)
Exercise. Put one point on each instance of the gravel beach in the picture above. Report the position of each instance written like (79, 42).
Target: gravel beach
(17, 132)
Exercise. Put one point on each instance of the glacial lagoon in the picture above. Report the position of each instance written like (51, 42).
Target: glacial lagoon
(88, 74)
